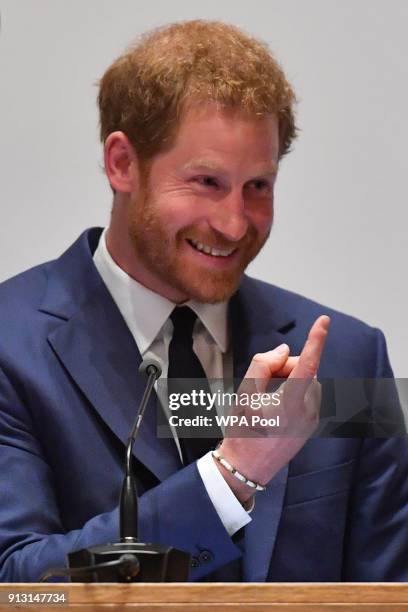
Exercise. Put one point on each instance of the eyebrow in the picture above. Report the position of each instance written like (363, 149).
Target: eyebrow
(209, 164)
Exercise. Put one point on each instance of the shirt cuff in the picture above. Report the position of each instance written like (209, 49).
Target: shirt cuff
(232, 515)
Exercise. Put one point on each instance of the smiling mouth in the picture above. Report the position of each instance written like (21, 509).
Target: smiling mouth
(207, 250)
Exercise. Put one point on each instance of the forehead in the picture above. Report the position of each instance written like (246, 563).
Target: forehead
(209, 133)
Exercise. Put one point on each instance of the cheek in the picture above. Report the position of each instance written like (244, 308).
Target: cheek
(260, 215)
(178, 213)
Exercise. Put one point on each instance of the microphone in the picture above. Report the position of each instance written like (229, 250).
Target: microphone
(128, 560)
(128, 504)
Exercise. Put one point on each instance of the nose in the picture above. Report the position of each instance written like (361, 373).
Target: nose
(229, 218)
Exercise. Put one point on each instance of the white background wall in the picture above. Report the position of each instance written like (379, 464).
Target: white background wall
(340, 232)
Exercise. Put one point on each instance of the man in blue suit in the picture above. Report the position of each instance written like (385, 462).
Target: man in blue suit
(194, 121)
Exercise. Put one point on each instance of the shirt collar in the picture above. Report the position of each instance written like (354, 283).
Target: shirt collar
(214, 319)
(145, 311)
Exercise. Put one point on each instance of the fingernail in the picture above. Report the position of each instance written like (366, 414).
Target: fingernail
(281, 349)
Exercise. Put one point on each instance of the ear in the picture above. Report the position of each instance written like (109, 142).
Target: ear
(121, 165)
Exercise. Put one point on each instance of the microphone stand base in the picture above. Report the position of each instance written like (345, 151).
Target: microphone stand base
(141, 563)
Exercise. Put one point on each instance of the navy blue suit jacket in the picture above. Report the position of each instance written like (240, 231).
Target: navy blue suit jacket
(68, 393)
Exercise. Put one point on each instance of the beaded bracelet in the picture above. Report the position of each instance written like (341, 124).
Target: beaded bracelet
(234, 472)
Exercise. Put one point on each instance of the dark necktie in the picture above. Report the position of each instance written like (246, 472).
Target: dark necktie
(183, 365)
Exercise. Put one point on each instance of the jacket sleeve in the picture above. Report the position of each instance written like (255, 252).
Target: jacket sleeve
(376, 544)
(177, 512)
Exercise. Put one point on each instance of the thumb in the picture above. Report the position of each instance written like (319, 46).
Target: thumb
(264, 365)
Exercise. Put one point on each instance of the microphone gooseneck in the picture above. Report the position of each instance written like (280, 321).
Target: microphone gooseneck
(128, 504)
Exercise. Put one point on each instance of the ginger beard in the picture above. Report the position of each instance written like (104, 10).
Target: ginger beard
(166, 256)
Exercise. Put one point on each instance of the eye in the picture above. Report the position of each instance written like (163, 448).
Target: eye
(206, 181)
(259, 185)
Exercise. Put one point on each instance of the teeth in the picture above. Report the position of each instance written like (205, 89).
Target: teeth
(209, 250)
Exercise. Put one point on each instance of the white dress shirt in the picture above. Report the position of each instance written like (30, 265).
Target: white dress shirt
(146, 314)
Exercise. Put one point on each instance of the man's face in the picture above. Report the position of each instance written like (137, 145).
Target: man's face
(207, 208)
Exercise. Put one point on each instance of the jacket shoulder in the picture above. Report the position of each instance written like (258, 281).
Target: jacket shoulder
(67, 275)
(23, 291)
(359, 347)
(296, 306)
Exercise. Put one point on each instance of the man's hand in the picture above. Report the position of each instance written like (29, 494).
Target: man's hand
(261, 457)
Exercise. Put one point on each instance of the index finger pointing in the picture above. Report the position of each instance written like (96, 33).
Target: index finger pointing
(308, 362)
(309, 358)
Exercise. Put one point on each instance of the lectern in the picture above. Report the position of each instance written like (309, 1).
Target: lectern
(217, 597)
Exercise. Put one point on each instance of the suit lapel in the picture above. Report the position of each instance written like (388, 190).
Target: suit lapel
(95, 346)
(256, 326)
